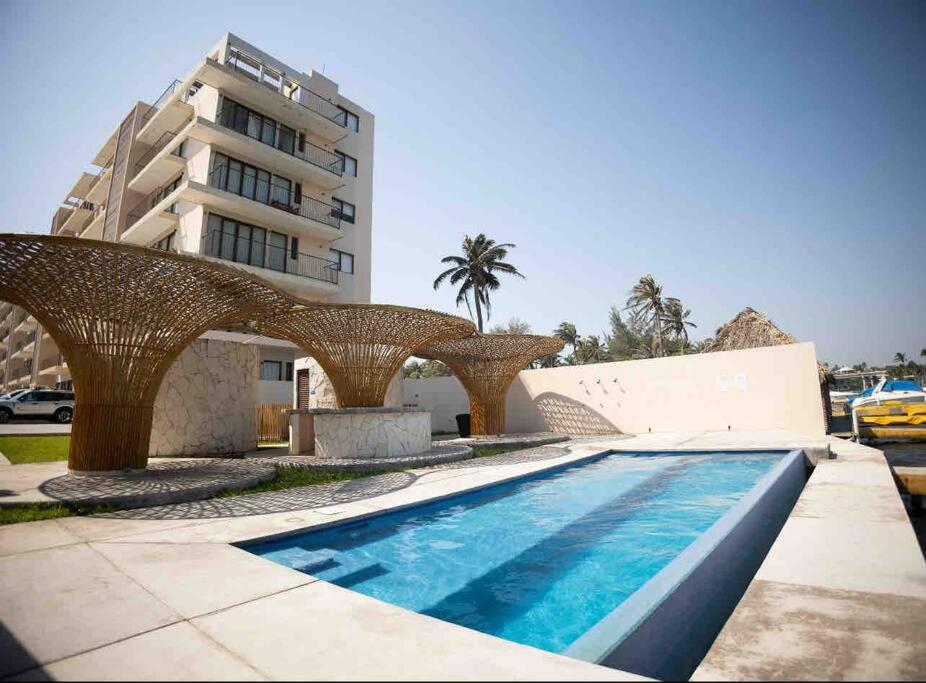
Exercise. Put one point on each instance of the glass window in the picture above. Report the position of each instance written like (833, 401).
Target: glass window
(228, 240)
(243, 248)
(342, 260)
(289, 371)
(351, 120)
(350, 164)
(269, 131)
(214, 235)
(271, 370)
(262, 193)
(281, 191)
(233, 177)
(343, 210)
(255, 125)
(258, 239)
(287, 141)
(219, 174)
(240, 118)
(166, 243)
(249, 182)
(277, 256)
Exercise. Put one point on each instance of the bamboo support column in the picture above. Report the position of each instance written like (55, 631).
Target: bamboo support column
(120, 316)
(486, 365)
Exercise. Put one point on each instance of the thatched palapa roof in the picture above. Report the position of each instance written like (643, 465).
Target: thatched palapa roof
(749, 330)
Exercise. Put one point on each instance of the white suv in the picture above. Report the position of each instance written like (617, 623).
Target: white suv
(52, 404)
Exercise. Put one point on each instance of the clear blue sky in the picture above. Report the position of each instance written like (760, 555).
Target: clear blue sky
(763, 154)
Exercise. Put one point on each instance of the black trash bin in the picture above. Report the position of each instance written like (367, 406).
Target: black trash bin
(463, 425)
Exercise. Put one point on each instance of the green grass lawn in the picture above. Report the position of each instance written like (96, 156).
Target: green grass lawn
(26, 449)
(483, 452)
(291, 478)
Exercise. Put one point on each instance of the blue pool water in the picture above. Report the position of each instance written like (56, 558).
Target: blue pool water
(537, 561)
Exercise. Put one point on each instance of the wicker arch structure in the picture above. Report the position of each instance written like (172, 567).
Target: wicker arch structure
(362, 346)
(120, 316)
(487, 364)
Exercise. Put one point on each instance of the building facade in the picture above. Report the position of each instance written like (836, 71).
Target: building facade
(246, 161)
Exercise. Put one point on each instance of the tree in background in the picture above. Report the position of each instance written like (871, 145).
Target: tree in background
(647, 306)
(591, 350)
(566, 332)
(475, 273)
(514, 326)
(677, 323)
(424, 369)
(900, 358)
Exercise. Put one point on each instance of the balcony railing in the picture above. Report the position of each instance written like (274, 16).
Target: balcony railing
(268, 256)
(160, 144)
(166, 95)
(273, 194)
(275, 80)
(151, 200)
(256, 130)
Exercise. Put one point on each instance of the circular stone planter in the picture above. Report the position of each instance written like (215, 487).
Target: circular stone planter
(161, 483)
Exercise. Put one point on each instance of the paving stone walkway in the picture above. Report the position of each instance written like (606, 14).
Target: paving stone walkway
(335, 493)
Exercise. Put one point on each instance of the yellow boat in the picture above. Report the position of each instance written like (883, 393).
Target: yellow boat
(893, 420)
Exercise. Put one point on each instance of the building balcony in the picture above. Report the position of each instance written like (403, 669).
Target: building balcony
(152, 216)
(105, 154)
(24, 324)
(94, 228)
(275, 94)
(54, 365)
(23, 351)
(99, 190)
(82, 213)
(81, 189)
(312, 164)
(261, 203)
(305, 274)
(169, 112)
(160, 163)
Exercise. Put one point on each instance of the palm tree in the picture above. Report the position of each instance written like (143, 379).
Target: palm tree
(566, 332)
(676, 320)
(646, 304)
(900, 358)
(475, 272)
(923, 353)
(591, 350)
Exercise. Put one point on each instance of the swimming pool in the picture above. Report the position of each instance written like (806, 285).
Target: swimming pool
(549, 561)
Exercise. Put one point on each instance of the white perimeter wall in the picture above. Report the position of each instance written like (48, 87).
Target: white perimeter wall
(767, 388)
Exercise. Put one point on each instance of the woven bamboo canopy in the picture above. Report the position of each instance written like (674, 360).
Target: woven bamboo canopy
(120, 316)
(362, 346)
(487, 364)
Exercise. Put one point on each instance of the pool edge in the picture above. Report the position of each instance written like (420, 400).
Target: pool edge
(637, 634)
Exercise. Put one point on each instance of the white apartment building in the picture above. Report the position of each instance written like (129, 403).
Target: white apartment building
(246, 161)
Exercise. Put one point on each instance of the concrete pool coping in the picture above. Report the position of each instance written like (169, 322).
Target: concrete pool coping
(234, 615)
(623, 628)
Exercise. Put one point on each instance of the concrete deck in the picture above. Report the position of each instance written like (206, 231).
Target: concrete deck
(841, 595)
(161, 593)
(33, 428)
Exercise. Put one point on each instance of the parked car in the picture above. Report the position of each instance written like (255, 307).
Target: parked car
(56, 405)
(9, 396)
